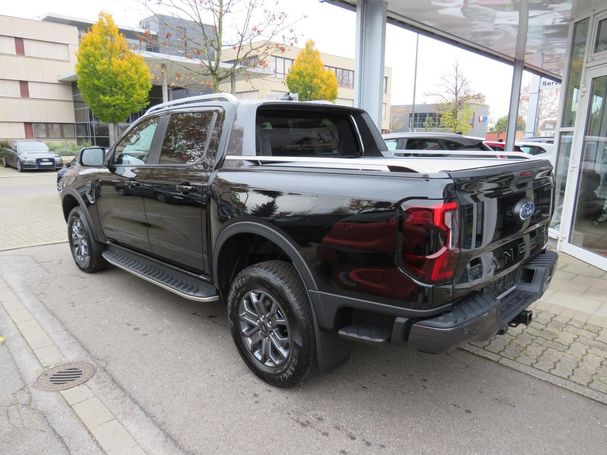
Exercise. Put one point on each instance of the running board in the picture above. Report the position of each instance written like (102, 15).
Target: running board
(180, 283)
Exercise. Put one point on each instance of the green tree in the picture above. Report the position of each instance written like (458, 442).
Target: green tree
(456, 100)
(501, 126)
(113, 81)
(309, 78)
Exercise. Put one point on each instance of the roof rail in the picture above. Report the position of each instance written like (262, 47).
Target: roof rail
(194, 99)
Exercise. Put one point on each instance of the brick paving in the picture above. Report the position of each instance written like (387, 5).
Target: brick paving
(30, 210)
(567, 338)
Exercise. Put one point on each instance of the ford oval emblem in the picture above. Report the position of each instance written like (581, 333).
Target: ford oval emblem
(524, 209)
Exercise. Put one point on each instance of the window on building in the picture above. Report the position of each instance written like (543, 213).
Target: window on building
(24, 89)
(187, 137)
(281, 66)
(385, 84)
(53, 131)
(19, 47)
(40, 131)
(345, 77)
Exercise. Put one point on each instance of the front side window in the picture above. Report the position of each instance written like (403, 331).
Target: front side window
(134, 148)
(187, 137)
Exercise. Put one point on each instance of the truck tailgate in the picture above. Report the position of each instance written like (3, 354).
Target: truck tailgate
(504, 216)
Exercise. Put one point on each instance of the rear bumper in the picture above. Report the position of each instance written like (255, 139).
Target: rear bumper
(481, 316)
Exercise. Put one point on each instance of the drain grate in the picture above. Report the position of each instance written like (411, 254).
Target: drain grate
(65, 376)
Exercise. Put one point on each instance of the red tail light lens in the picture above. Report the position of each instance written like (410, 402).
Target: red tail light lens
(429, 240)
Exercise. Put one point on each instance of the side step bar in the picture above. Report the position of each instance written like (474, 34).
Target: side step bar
(178, 282)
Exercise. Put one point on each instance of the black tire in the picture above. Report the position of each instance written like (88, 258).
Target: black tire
(86, 251)
(19, 167)
(4, 163)
(277, 282)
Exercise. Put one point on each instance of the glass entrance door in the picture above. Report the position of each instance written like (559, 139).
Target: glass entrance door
(587, 220)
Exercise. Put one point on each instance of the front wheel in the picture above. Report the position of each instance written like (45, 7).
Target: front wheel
(86, 251)
(271, 323)
(19, 167)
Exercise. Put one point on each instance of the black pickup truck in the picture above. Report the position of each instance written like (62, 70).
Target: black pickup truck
(291, 214)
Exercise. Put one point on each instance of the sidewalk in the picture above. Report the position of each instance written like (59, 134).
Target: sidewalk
(566, 343)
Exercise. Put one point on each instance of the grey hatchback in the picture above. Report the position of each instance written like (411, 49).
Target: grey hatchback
(23, 155)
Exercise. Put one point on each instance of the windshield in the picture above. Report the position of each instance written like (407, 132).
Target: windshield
(32, 146)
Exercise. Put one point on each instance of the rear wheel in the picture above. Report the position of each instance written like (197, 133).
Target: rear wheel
(271, 323)
(4, 163)
(86, 251)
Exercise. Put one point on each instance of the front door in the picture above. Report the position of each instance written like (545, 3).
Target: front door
(587, 185)
(121, 190)
(177, 198)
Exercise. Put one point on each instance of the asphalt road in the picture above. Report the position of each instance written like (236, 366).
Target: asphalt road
(169, 365)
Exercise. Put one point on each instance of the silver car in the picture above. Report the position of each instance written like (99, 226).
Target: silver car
(24, 155)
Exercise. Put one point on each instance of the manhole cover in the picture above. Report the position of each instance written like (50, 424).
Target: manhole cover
(65, 376)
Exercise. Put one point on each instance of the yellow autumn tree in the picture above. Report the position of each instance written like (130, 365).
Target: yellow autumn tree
(113, 81)
(309, 78)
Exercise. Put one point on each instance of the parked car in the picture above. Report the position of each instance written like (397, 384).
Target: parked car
(542, 139)
(61, 172)
(292, 217)
(499, 146)
(24, 155)
(433, 141)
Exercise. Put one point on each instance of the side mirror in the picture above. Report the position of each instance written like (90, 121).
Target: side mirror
(92, 156)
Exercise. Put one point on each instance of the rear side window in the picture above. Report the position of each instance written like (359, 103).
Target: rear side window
(305, 133)
(188, 137)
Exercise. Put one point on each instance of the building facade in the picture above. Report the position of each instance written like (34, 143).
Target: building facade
(426, 117)
(580, 218)
(34, 102)
(271, 83)
(40, 97)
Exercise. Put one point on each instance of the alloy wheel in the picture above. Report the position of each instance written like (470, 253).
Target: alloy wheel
(80, 244)
(264, 328)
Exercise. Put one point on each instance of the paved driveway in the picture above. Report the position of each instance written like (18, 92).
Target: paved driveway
(30, 209)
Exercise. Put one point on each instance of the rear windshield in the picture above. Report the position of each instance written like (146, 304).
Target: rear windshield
(305, 133)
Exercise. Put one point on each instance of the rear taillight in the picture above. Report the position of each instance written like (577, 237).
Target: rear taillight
(429, 240)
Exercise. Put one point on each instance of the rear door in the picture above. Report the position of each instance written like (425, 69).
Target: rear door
(177, 197)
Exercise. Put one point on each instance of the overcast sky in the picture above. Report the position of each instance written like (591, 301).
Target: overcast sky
(333, 30)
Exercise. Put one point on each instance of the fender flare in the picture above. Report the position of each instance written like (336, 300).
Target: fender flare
(331, 350)
(272, 234)
(85, 208)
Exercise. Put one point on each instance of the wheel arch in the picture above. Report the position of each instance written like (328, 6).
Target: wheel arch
(71, 199)
(250, 235)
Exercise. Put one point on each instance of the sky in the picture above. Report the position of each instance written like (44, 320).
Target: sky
(333, 30)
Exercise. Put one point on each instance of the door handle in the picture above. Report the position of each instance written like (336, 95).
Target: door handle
(185, 188)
